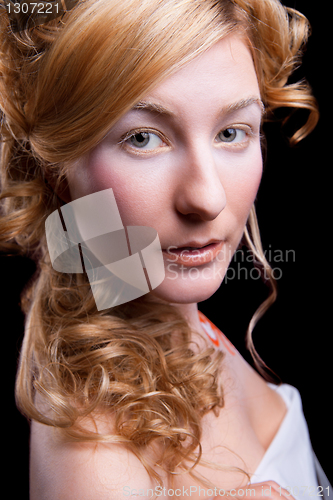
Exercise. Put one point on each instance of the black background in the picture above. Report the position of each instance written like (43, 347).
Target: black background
(294, 337)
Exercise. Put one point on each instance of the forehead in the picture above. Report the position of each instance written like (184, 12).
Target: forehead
(225, 72)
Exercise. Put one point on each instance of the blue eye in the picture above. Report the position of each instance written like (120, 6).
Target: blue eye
(144, 140)
(232, 135)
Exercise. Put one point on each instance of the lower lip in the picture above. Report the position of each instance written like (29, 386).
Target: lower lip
(195, 257)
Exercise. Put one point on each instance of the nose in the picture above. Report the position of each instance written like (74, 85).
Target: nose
(200, 191)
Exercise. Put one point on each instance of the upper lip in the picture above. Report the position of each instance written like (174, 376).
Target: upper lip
(194, 244)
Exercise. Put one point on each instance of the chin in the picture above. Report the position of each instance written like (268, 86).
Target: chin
(189, 289)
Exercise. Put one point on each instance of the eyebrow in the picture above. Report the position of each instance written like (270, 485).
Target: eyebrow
(230, 108)
(244, 103)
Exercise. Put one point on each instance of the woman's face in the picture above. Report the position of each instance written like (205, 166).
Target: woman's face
(186, 161)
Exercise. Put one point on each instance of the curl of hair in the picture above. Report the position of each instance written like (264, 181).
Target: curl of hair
(62, 87)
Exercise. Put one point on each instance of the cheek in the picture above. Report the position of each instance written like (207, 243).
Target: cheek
(243, 186)
(135, 194)
(253, 181)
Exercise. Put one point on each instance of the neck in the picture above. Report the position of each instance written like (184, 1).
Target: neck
(191, 314)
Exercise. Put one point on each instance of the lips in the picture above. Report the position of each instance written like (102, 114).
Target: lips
(193, 254)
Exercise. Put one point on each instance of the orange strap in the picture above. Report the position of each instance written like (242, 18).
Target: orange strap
(215, 334)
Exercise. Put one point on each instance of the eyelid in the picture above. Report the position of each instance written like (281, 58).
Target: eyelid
(140, 130)
(251, 133)
(241, 126)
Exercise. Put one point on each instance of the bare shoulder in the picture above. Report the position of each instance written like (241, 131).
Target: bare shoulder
(63, 470)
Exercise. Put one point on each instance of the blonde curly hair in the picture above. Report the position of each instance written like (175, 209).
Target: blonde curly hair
(63, 85)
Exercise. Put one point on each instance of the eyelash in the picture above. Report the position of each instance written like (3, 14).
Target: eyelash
(238, 127)
(134, 132)
(238, 145)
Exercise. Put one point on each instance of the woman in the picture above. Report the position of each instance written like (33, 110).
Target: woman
(159, 106)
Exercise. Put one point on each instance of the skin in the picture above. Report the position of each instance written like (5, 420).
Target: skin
(189, 184)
